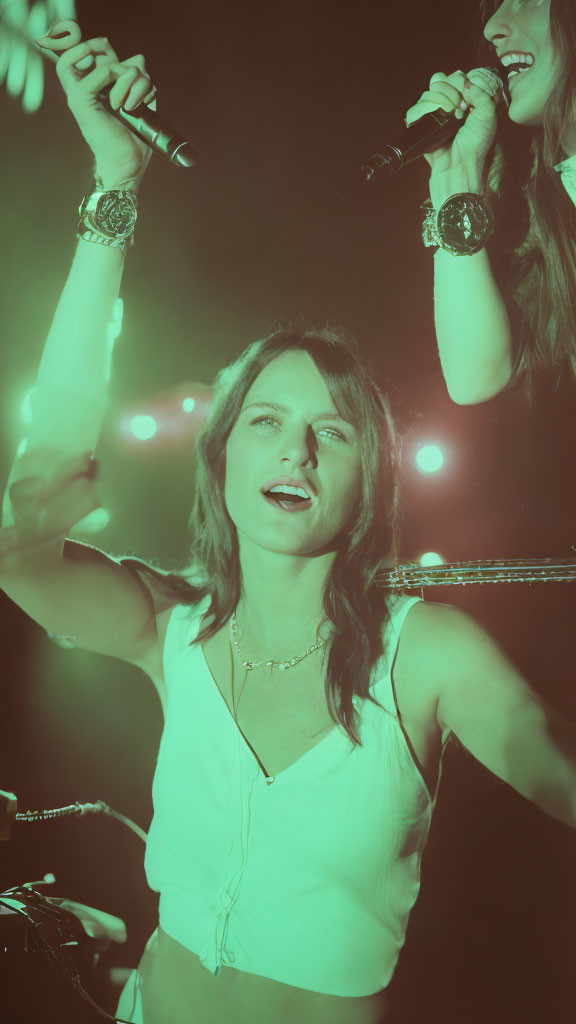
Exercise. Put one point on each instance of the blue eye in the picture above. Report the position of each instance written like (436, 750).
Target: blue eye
(271, 419)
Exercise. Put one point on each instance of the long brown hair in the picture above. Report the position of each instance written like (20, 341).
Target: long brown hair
(353, 599)
(534, 249)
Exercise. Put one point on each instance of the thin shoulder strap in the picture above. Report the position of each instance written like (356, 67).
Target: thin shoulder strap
(398, 610)
(397, 623)
(183, 625)
(397, 616)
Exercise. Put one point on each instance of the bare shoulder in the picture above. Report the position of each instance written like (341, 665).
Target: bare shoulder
(437, 640)
(434, 631)
(431, 615)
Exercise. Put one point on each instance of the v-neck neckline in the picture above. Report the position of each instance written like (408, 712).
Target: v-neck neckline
(269, 778)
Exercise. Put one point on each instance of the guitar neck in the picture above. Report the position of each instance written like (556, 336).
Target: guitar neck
(535, 570)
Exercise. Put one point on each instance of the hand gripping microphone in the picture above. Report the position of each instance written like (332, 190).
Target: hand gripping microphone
(430, 132)
(147, 125)
(154, 131)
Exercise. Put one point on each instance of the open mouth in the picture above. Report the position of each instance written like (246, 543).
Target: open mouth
(287, 502)
(515, 74)
(517, 64)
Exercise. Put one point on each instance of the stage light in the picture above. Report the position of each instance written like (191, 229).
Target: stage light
(431, 558)
(429, 458)
(143, 427)
(188, 405)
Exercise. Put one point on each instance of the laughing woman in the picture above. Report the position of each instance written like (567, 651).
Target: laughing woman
(505, 312)
(306, 706)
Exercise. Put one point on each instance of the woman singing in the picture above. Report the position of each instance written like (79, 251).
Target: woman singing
(306, 706)
(505, 312)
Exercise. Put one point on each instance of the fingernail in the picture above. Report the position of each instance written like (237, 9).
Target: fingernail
(50, 34)
(463, 105)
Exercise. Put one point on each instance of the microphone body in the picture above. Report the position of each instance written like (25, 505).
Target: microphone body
(428, 133)
(153, 130)
(147, 125)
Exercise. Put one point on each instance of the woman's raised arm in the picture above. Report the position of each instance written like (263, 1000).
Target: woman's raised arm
(472, 323)
(71, 390)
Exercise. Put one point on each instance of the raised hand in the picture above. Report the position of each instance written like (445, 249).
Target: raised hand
(84, 69)
(460, 93)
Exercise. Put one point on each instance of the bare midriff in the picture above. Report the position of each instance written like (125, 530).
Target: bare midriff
(177, 989)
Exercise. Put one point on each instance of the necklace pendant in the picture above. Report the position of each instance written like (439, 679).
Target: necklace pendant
(248, 665)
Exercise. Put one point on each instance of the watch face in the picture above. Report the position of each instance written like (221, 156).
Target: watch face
(465, 223)
(115, 214)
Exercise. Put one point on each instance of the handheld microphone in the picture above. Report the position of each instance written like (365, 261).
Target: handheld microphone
(148, 126)
(428, 133)
(153, 130)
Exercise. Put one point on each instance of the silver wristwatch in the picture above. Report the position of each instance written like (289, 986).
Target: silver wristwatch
(108, 216)
(461, 226)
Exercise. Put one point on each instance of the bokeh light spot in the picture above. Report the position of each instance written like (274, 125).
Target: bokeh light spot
(431, 558)
(429, 458)
(143, 427)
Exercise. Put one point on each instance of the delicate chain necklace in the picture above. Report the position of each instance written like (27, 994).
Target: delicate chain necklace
(282, 665)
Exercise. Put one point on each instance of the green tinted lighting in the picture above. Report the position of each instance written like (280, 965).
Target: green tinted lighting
(431, 558)
(143, 427)
(429, 459)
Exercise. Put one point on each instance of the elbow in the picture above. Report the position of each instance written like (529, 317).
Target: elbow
(464, 396)
(478, 390)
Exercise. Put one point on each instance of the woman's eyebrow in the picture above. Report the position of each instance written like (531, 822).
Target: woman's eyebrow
(284, 408)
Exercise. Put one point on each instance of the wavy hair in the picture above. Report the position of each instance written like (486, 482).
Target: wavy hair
(353, 598)
(534, 248)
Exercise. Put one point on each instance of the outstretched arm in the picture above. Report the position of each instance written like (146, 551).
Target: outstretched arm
(486, 702)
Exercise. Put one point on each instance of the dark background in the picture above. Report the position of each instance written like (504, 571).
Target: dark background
(284, 102)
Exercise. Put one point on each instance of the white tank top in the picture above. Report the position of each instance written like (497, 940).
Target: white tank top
(308, 879)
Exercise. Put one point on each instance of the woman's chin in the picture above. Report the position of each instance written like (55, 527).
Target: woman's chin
(525, 118)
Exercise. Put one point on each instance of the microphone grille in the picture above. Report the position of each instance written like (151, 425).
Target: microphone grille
(489, 79)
